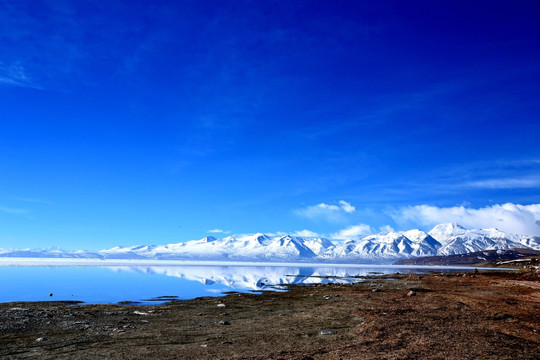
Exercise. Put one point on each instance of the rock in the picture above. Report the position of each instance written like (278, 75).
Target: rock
(220, 305)
(411, 293)
(41, 339)
(136, 312)
(224, 322)
(376, 290)
(328, 332)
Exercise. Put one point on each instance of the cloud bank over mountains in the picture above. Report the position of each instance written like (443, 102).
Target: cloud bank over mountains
(508, 217)
(514, 218)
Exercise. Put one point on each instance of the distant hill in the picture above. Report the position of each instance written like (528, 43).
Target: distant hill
(486, 258)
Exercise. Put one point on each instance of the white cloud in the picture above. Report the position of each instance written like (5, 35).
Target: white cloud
(515, 218)
(353, 232)
(348, 208)
(386, 229)
(327, 211)
(305, 233)
(218, 231)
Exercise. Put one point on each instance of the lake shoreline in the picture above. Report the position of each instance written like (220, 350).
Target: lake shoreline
(428, 316)
(14, 262)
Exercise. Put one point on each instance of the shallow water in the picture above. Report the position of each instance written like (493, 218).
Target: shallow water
(159, 284)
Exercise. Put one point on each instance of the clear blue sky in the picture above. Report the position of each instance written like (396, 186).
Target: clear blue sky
(122, 120)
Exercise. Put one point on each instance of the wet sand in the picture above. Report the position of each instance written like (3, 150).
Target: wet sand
(438, 316)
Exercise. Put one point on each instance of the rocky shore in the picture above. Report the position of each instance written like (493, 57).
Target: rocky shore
(493, 315)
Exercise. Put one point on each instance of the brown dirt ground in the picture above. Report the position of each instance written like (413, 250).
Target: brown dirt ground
(450, 316)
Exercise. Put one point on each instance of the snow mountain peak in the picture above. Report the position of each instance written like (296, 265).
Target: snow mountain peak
(443, 239)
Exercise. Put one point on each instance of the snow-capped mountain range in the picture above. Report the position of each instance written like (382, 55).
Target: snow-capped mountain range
(443, 239)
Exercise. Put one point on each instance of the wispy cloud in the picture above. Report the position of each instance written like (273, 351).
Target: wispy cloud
(515, 218)
(218, 231)
(329, 212)
(352, 232)
(14, 211)
(305, 233)
(17, 76)
(505, 183)
(31, 200)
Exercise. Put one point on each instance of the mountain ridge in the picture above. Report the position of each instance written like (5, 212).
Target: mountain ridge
(442, 240)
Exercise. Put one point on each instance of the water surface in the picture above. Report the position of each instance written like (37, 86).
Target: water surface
(157, 284)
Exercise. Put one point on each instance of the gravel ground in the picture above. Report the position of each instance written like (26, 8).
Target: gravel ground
(436, 316)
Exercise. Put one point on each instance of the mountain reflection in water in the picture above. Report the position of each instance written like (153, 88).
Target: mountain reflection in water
(158, 284)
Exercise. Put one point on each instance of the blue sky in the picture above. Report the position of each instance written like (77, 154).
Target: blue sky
(144, 122)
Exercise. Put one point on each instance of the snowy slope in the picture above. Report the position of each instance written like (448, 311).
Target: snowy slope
(391, 245)
(458, 240)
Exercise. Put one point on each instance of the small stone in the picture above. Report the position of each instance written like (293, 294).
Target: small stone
(200, 314)
(411, 293)
(376, 290)
(221, 305)
(41, 339)
(136, 312)
(204, 345)
(328, 332)
(224, 322)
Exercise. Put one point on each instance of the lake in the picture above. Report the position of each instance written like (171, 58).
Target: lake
(157, 283)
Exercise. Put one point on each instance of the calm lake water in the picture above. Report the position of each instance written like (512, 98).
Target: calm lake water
(146, 284)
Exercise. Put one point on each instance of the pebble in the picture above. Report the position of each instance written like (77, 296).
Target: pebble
(411, 293)
(40, 339)
(224, 322)
(376, 290)
(328, 332)
(221, 305)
